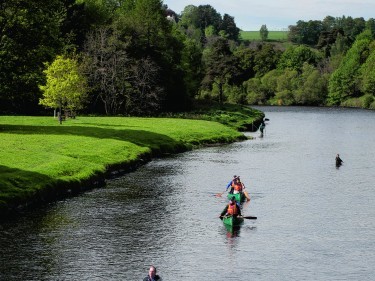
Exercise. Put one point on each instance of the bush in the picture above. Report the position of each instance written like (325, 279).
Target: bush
(367, 100)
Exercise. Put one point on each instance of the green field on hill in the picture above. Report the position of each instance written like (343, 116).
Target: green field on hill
(272, 35)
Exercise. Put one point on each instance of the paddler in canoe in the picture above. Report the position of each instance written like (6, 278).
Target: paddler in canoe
(232, 209)
(238, 190)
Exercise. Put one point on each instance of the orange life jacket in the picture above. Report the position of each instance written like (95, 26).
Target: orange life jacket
(238, 186)
(232, 209)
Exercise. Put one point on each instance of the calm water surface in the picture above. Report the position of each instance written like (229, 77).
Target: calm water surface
(315, 222)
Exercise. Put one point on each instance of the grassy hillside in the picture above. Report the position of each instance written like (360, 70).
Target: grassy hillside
(272, 35)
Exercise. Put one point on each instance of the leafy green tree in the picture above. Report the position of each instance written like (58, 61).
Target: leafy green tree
(312, 88)
(246, 57)
(66, 87)
(370, 25)
(288, 81)
(340, 47)
(295, 56)
(343, 82)
(305, 32)
(101, 12)
(210, 31)
(327, 39)
(269, 82)
(255, 91)
(266, 59)
(191, 63)
(228, 25)
(151, 37)
(352, 27)
(367, 73)
(263, 32)
(207, 15)
(30, 34)
(201, 17)
(287, 84)
(221, 67)
(189, 17)
(329, 23)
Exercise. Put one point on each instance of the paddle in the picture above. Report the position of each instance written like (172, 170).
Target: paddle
(249, 217)
(245, 217)
(219, 194)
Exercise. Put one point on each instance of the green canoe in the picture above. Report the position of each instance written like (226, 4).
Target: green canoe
(240, 197)
(232, 221)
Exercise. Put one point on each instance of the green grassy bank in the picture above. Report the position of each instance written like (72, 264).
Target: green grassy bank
(41, 160)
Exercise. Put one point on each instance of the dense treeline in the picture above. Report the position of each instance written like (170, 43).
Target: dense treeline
(141, 58)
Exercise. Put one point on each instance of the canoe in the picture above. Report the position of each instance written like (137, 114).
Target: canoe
(240, 197)
(232, 221)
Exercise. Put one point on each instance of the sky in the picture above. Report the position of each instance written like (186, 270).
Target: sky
(250, 15)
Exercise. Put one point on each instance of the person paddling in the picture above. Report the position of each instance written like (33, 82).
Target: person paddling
(243, 189)
(232, 209)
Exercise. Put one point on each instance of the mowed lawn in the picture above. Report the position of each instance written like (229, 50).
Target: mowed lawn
(37, 152)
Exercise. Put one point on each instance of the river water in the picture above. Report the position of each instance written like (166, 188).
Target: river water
(315, 221)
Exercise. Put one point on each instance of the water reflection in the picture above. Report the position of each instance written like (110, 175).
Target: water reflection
(232, 231)
(315, 222)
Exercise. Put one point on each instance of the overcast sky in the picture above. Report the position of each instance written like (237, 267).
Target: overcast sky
(279, 14)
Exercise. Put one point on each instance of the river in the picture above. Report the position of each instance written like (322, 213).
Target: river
(315, 221)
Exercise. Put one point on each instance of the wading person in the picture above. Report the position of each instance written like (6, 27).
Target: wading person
(152, 274)
(338, 161)
(261, 128)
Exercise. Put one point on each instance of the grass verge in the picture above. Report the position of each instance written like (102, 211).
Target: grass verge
(42, 160)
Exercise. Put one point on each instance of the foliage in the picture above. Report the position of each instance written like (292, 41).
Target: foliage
(263, 32)
(312, 87)
(344, 81)
(266, 59)
(107, 66)
(191, 63)
(228, 26)
(367, 73)
(151, 36)
(221, 66)
(256, 92)
(236, 116)
(29, 36)
(149, 60)
(65, 87)
(295, 56)
(305, 32)
(310, 32)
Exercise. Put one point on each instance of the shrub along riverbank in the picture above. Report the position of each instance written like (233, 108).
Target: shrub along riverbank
(42, 161)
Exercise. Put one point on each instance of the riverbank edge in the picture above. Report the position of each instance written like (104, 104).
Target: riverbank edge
(60, 190)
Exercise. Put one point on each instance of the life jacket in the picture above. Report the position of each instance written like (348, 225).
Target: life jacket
(232, 209)
(238, 186)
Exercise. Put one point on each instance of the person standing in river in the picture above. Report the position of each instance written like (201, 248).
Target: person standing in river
(261, 128)
(338, 160)
(152, 274)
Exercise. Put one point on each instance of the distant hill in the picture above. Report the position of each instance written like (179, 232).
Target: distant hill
(272, 35)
